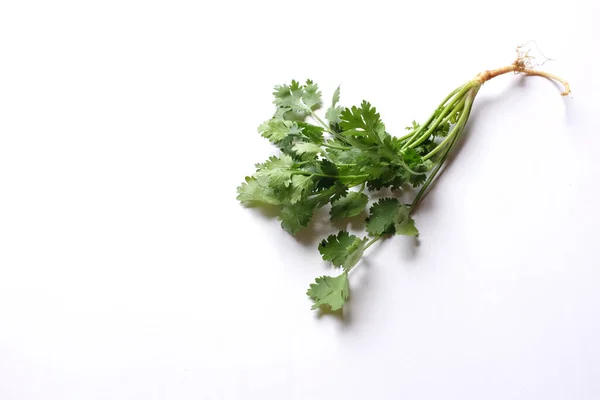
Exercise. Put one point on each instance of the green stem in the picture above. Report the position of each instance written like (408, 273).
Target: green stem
(325, 193)
(307, 173)
(323, 124)
(416, 132)
(332, 146)
(408, 135)
(457, 129)
(449, 109)
(370, 242)
(453, 139)
(406, 167)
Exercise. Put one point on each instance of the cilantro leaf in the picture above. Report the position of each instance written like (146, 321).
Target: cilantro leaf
(311, 95)
(329, 292)
(296, 97)
(276, 171)
(343, 249)
(352, 155)
(416, 163)
(403, 223)
(326, 167)
(282, 113)
(307, 148)
(389, 180)
(442, 130)
(411, 157)
(251, 193)
(389, 216)
(349, 206)
(289, 96)
(311, 132)
(381, 220)
(340, 191)
(294, 217)
(335, 98)
(417, 180)
(363, 121)
(286, 145)
(301, 184)
(334, 112)
(414, 127)
(277, 129)
(428, 145)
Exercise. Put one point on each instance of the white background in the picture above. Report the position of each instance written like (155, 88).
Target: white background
(128, 270)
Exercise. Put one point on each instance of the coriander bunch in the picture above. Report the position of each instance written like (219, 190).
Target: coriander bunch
(342, 159)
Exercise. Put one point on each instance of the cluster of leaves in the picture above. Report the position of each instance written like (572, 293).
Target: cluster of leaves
(336, 162)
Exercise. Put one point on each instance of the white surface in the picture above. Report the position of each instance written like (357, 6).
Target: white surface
(129, 271)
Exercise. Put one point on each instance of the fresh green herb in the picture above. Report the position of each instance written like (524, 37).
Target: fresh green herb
(343, 159)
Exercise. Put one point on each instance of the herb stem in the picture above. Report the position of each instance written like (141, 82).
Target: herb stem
(454, 106)
(451, 139)
(408, 135)
(452, 97)
(332, 146)
(457, 129)
(370, 242)
(431, 117)
(323, 124)
(307, 173)
(367, 245)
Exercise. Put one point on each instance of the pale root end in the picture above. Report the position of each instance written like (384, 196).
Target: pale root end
(521, 66)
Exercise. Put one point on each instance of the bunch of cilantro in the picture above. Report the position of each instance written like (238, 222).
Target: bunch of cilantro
(342, 160)
(338, 162)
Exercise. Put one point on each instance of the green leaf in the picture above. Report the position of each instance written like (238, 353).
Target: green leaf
(307, 148)
(404, 224)
(289, 96)
(343, 249)
(297, 216)
(311, 132)
(349, 206)
(425, 147)
(276, 171)
(277, 129)
(364, 119)
(326, 167)
(411, 157)
(382, 218)
(296, 97)
(389, 216)
(334, 112)
(300, 185)
(336, 96)
(417, 180)
(281, 113)
(340, 191)
(442, 130)
(355, 133)
(329, 292)
(251, 193)
(414, 127)
(350, 156)
(286, 145)
(311, 96)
